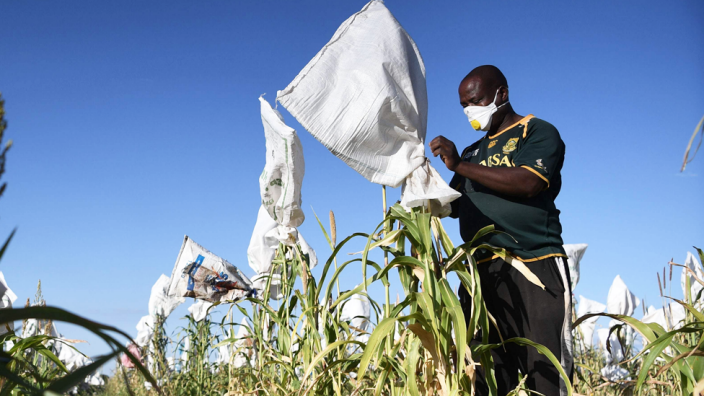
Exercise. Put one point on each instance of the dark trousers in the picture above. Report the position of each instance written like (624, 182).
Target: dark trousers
(522, 309)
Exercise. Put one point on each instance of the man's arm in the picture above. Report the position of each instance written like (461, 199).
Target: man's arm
(518, 182)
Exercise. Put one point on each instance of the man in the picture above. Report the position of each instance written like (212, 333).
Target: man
(510, 178)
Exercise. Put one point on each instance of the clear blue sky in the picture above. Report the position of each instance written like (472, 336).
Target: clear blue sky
(138, 122)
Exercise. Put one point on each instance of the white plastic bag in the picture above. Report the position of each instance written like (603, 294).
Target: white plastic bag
(7, 298)
(280, 182)
(669, 318)
(695, 287)
(199, 309)
(265, 240)
(145, 330)
(587, 306)
(242, 346)
(200, 274)
(356, 311)
(575, 252)
(620, 300)
(160, 302)
(616, 354)
(364, 97)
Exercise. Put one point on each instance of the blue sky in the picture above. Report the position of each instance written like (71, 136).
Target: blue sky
(138, 122)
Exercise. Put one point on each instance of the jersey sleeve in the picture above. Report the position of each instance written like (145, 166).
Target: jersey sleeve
(542, 151)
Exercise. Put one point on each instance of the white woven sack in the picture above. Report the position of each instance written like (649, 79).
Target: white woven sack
(357, 311)
(201, 274)
(669, 318)
(281, 180)
(695, 287)
(364, 97)
(7, 298)
(575, 252)
(199, 309)
(145, 330)
(160, 302)
(265, 240)
(587, 306)
(620, 300)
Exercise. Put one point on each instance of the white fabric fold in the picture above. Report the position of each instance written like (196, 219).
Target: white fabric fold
(145, 330)
(574, 252)
(160, 302)
(587, 306)
(620, 300)
(199, 309)
(7, 298)
(425, 186)
(695, 287)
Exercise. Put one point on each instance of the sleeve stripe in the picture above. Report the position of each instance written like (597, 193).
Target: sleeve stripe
(537, 173)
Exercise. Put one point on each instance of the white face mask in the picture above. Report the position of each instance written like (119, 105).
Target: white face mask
(480, 116)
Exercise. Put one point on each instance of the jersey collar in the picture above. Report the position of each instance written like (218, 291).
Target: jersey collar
(521, 121)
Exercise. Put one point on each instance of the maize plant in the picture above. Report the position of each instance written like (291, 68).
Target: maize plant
(419, 345)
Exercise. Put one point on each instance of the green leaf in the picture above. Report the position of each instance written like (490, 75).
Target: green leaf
(381, 331)
(67, 382)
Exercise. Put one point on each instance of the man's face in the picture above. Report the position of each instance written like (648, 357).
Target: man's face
(473, 93)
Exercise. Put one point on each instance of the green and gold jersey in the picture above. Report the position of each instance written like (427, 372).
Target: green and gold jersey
(531, 225)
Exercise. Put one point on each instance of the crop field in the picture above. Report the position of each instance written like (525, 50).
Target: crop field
(305, 344)
(288, 332)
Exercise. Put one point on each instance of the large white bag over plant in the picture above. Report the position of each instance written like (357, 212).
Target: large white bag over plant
(620, 300)
(357, 311)
(587, 306)
(145, 330)
(160, 301)
(280, 182)
(364, 97)
(199, 309)
(575, 252)
(7, 298)
(694, 286)
(201, 274)
(265, 240)
(280, 213)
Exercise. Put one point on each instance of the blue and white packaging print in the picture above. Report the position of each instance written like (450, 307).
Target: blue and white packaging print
(200, 274)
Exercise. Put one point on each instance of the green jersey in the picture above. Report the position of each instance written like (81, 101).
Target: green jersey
(531, 225)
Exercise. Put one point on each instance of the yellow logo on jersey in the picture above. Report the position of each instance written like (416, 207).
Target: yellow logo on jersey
(492, 143)
(510, 145)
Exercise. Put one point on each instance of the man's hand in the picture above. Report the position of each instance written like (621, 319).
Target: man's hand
(447, 152)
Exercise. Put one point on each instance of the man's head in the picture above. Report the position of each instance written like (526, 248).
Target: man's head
(481, 86)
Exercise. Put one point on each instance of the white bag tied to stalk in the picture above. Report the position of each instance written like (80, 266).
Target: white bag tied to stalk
(695, 287)
(199, 309)
(574, 252)
(669, 318)
(160, 301)
(145, 330)
(620, 300)
(7, 298)
(265, 240)
(363, 96)
(611, 370)
(587, 306)
(245, 353)
(200, 274)
(280, 188)
(357, 311)
(281, 180)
